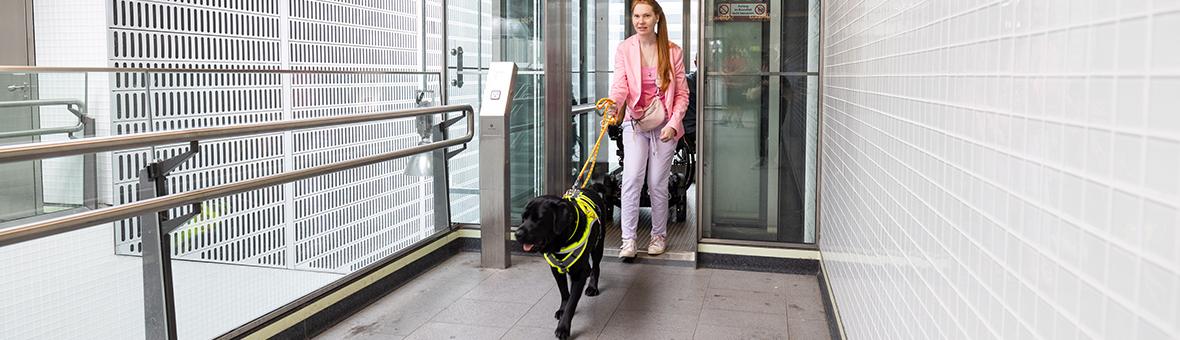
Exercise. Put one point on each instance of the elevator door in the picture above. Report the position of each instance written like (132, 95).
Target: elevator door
(758, 120)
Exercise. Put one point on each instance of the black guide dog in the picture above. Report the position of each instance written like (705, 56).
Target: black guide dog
(567, 233)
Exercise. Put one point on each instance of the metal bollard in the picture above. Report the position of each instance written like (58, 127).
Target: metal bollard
(494, 182)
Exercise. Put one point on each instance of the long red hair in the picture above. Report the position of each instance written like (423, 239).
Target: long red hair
(662, 42)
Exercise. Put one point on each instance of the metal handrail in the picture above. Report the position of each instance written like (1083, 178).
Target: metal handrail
(24, 152)
(59, 225)
(54, 69)
(581, 109)
(73, 105)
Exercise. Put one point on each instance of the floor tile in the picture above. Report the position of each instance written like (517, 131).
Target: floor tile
(406, 308)
(591, 316)
(663, 300)
(483, 313)
(804, 300)
(515, 284)
(798, 312)
(772, 323)
(439, 330)
(674, 283)
(459, 300)
(752, 281)
(671, 320)
(744, 300)
(462, 267)
(646, 333)
(525, 332)
(357, 332)
(714, 332)
(809, 329)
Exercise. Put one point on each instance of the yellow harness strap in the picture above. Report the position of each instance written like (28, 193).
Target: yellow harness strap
(587, 214)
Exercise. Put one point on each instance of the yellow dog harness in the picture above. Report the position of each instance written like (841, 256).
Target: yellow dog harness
(587, 214)
(587, 210)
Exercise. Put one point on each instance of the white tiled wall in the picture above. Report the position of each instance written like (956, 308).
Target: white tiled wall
(1002, 169)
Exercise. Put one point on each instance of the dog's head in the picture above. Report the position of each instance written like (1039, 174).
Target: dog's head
(545, 224)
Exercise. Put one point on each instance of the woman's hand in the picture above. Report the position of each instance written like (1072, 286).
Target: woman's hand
(612, 117)
(610, 112)
(667, 133)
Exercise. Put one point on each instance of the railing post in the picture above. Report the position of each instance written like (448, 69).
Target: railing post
(89, 168)
(494, 183)
(159, 303)
(159, 308)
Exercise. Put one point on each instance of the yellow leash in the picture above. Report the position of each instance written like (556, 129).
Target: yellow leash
(608, 118)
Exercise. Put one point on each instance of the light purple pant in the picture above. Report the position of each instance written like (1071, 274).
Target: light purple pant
(644, 151)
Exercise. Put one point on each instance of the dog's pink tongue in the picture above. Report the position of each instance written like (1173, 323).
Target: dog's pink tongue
(528, 247)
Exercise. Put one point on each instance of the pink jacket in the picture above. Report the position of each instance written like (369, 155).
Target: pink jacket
(627, 87)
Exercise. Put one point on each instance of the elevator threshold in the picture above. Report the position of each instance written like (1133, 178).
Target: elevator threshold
(681, 248)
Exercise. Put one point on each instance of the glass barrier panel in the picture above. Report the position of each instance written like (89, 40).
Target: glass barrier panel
(71, 286)
(468, 30)
(243, 255)
(279, 243)
(37, 108)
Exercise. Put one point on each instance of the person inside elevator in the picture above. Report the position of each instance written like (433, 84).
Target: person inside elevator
(649, 88)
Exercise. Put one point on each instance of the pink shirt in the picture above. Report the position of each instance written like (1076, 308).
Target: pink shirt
(651, 87)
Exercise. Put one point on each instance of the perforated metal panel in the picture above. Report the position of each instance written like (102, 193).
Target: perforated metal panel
(337, 222)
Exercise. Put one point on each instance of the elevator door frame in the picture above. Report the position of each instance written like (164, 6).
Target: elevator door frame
(703, 212)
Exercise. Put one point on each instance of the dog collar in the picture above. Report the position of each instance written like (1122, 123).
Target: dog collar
(587, 216)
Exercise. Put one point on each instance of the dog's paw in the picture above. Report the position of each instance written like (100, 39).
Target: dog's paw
(558, 314)
(592, 291)
(562, 332)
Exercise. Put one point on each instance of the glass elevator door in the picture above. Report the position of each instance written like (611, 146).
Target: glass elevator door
(758, 120)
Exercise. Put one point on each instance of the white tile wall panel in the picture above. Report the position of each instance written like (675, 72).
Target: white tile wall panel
(1002, 169)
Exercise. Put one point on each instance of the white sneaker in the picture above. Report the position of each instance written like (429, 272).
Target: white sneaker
(657, 245)
(628, 249)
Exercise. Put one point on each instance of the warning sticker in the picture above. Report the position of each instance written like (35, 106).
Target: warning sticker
(742, 11)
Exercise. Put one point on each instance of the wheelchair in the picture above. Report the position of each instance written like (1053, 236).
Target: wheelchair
(682, 175)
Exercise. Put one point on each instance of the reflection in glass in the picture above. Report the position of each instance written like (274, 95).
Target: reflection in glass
(526, 131)
(35, 108)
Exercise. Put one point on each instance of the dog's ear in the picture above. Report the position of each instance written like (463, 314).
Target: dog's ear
(565, 216)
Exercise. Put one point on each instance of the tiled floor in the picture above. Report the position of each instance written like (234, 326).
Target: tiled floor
(458, 300)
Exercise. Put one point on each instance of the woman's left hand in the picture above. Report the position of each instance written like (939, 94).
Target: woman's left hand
(667, 133)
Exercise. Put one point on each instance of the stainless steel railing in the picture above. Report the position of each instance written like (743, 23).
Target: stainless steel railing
(155, 224)
(582, 109)
(100, 144)
(73, 105)
(442, 88)
(159, 308)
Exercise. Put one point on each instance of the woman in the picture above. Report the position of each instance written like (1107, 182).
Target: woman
(648, 68)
